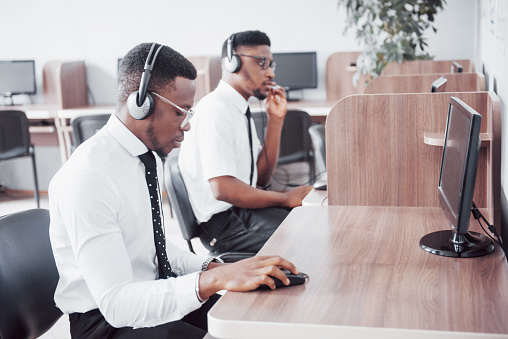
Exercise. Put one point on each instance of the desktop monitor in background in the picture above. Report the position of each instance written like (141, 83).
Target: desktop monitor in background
(456, 186)
(456, 67)
(297, 70)
(439, 85)
(17, 77)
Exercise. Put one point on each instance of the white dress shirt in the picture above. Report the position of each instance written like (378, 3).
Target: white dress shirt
(217, 145)
(102, 237)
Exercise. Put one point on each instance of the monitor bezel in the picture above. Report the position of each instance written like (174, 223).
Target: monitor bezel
(314, 72)
(34, 88)
(456, 67)
(439, 85)
(460, 223)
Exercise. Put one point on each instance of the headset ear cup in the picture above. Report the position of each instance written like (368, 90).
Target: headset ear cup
(140, 112)
(234, 65)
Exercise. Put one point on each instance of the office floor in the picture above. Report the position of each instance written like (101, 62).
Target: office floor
(15, 202)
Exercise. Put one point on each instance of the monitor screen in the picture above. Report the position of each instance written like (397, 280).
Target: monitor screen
(459, 163)
(439, 85)
(456, 67)
(296, 70)
(17, 77)
(456, 185)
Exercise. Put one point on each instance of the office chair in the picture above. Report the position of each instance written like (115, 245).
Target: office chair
(317, 135)
(85, 126)
(179, 199)
(28, 275)
(15, 141)
(295, 141)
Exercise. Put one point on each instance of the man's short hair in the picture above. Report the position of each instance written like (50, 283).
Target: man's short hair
(247, 38)
(168, 65)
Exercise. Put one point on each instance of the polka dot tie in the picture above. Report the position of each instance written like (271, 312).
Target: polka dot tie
(148, 159)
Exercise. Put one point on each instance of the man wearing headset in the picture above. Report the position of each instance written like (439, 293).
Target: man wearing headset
(222, 161)
(104, 229)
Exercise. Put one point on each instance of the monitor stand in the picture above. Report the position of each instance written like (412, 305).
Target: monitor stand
(8, 95)
(288, 96)
(450, 244)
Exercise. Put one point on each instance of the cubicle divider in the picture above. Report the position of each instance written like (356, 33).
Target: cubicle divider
(65, 84)
(385, 150)
(340, 69)
(426, 66)
(422, 83)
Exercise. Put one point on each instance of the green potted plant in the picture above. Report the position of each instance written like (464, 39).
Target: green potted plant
(389, 31)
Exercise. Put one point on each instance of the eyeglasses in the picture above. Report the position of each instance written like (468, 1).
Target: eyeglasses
(262, 63)
(188, 113)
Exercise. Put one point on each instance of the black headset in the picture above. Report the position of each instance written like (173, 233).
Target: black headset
(231, 62)
(140, 103)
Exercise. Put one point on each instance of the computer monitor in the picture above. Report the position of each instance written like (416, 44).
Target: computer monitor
(17, 77)
(439, 85)
(296, 70)
(456, 186)
(456, 67)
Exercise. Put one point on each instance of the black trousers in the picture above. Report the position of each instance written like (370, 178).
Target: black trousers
(241, 230)
(92, 325)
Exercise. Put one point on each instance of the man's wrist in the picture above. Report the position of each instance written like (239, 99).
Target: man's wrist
(197, 288)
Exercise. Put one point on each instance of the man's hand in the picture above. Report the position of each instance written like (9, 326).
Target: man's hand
(276, 103)
(245, 275)
(295, 196)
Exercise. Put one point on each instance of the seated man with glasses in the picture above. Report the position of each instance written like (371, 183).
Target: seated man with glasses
(119, 276)
(222, 160)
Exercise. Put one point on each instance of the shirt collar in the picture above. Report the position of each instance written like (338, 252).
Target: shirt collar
(233, 97)
(125, 137)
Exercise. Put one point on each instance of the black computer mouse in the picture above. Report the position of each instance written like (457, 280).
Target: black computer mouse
(294, 279)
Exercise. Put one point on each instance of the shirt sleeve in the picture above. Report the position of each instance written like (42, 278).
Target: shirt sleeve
(100, 251)
(216, 131)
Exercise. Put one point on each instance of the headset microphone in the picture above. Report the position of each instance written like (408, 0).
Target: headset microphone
(140, 103)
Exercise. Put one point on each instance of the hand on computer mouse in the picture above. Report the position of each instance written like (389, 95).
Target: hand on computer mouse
(245, 275)
(294, 279)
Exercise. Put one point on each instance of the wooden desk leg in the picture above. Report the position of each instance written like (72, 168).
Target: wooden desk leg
(61, 139)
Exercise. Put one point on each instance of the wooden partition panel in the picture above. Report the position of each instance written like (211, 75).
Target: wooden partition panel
(65, 84)
(202, 64)
(426, 66)
(209, 74)
(422, 83)
(340, 68)
(376, 152)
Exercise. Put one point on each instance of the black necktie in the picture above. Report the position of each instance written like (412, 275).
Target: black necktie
(148, 160)
(248, 115)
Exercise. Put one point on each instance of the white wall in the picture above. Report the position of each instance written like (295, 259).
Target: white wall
(493, 57)
(101, 31)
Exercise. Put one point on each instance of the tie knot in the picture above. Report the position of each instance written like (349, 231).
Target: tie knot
(247, 114)
(148, 160)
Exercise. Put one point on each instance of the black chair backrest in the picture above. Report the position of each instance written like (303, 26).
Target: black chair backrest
(28, 275)
(85, 126)
(180, 200)
(295, 143)
(317, 135)
(14, 135)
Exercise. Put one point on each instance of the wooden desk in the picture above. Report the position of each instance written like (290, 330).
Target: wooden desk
(317, 109)
(426, 66)
(369, 279)
(422, 83)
